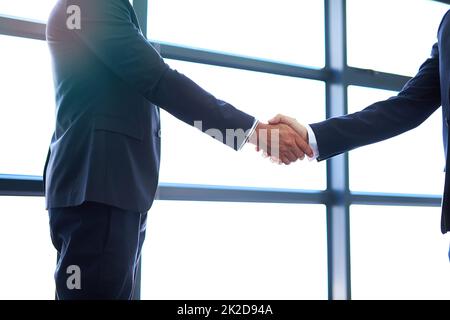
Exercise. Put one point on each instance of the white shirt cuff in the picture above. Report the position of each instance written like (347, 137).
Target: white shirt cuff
(249, 134)
(312, 143)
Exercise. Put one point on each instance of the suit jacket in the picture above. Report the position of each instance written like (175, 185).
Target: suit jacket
(419, 98)
(109, 81)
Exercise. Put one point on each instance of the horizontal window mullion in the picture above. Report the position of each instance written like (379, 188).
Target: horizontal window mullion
(368, 198)
(33, 186)
(12, 26)
(373, 79)
(237, 194)
(176, 52)
(11, 185)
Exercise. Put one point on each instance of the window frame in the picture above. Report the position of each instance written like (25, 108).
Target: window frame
(337, 76)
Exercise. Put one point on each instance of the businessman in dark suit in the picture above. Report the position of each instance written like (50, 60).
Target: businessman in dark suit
(102, 169)
(419, 98)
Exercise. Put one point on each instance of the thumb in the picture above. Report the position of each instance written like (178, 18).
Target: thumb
(277, 119)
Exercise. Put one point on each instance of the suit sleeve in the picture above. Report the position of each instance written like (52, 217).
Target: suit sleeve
(108, 31)
(419, 98)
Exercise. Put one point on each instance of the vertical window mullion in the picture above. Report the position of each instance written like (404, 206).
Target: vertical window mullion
(338, 228)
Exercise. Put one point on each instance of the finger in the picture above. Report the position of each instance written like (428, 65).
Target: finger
(304, 146)
(285, 160)
(290, 156)
(275, 160)
(299, 154)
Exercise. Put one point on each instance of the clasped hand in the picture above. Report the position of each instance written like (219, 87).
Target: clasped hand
(283, 139)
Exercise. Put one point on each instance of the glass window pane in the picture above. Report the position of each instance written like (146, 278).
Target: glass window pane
(27, 105)
(392, 36)
(28, 256)
(30, 9)
(398, 253)
(410, 163)
(200, 250)
(206, 161)
(285, 30)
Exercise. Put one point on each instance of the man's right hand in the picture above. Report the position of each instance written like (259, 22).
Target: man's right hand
(292, 122)
(281, 142)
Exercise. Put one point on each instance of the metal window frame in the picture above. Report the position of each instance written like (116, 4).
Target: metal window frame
(337, 198)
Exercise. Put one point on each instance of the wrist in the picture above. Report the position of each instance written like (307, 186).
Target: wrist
(256, 133)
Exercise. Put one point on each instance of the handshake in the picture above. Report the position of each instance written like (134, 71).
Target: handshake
(283, 139)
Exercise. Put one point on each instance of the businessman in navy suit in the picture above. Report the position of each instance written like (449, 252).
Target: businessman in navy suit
(102, 168)
(419, 98)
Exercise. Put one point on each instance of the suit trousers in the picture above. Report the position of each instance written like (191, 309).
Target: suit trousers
(99, 248)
